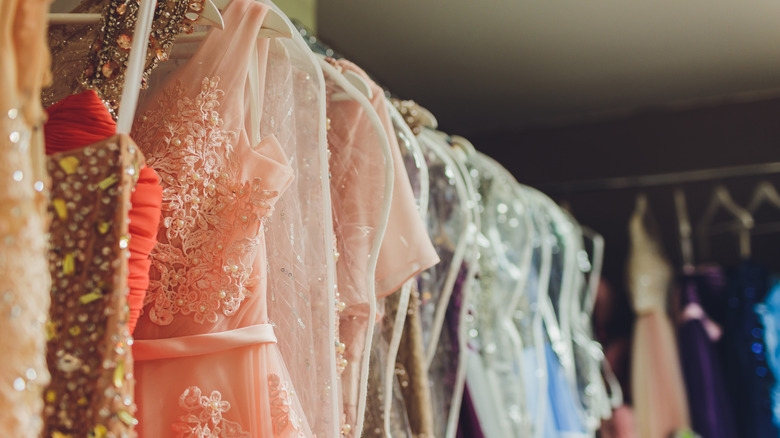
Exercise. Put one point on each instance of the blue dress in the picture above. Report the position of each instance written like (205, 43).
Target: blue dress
(748, 377)
(769, 313)
(562, 416)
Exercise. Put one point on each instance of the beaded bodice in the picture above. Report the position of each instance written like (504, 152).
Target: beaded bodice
(95, 56)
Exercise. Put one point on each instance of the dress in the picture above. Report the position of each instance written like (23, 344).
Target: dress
(358, 171)
(749, 378)
(80, 120)
(397, 369)
(207, 360)
(450, 224)
(95, 56)
(658, 389)
(24, 275)
(88, 353)
(712, 414)
(769, 312)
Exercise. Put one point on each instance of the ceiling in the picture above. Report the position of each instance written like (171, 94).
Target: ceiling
(504, 65)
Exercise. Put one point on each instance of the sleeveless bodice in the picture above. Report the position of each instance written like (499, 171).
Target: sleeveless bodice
(218, 191)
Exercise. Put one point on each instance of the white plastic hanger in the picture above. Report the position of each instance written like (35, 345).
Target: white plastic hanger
(255, 91)
(373, 118)
(274, 24)
(131, 88)
(764, 192)
(721, 198)
(392, 353)
(463, 143)
(354, 79)
(684, 225)
(209, 15)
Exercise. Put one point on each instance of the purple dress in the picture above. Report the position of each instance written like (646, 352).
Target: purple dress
(711, 411)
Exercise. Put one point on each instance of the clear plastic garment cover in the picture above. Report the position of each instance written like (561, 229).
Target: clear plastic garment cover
(502, 241)
(300, 234)
(452, 228)
(391, 410)
(361, 189)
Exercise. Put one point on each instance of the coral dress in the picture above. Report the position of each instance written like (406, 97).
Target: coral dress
(80, 120)
(207, 363)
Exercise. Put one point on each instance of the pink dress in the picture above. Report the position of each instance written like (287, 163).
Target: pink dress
(207, 363)
(357, 186)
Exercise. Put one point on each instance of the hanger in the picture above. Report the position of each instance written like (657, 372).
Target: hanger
(721, 198)
(764, 192)
(354, 79)
(464, 144)
(684, 225)
(415, 115)
(274, 24)
(373, 118)
(131, 88)
(392, 353)
(209, 15)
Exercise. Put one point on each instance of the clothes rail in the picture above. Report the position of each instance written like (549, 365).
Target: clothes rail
(658, 180)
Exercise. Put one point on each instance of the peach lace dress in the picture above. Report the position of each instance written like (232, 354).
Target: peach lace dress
(207, 363)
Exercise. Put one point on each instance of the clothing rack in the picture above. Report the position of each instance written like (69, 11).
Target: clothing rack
(660, 179)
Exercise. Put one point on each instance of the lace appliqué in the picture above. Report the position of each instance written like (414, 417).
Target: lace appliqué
(282, 413)
(204, 417)
(211, 220)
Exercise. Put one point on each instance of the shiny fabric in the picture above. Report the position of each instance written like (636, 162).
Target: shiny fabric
(88, 353)
(95, 55)
(711, 409)
(24, 273)
(80, 120)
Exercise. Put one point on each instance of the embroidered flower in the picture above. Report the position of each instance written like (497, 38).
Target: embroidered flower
(204, 416)
(282, 413)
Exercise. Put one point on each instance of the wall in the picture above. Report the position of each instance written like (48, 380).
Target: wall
(647, 143)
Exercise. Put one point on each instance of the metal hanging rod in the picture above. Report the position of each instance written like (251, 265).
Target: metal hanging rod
(661, 179)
